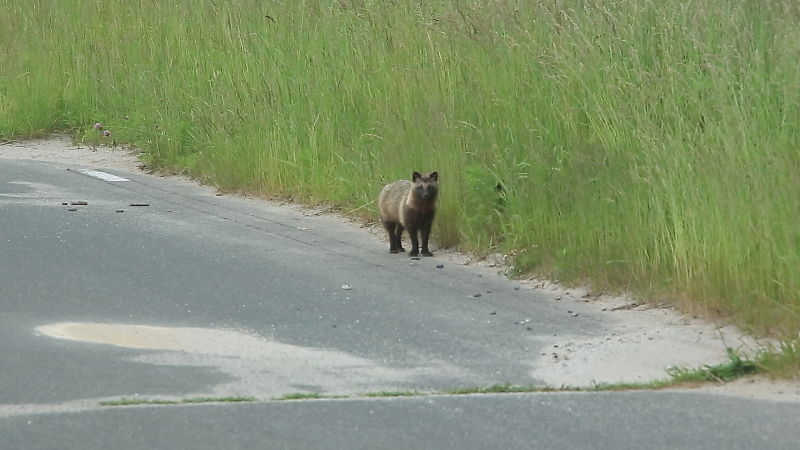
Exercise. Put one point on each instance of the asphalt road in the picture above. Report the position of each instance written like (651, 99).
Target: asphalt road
(210, 296)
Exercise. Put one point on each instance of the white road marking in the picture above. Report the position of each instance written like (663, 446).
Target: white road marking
(102, 175)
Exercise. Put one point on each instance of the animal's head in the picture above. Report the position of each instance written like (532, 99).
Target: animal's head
(426, 185)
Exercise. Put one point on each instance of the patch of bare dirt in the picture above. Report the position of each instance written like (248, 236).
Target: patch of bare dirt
(60, 149)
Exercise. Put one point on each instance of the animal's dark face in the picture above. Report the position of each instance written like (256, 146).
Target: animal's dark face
(426, 186)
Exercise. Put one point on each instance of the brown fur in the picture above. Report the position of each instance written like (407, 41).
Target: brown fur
(409, 205)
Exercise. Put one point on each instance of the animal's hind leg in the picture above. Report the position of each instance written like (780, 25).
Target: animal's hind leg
(390, 228)
(395, 230)
(398, 244)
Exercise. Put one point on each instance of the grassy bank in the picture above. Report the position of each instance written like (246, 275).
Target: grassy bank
(638, 144)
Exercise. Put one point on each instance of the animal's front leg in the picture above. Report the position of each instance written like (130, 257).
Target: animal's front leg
(412, 234)
(425, 232)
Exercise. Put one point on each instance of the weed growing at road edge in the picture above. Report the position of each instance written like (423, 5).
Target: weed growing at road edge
(300, 396)
(728, 371)
(783, 361)
(395, 394)
(124, 401)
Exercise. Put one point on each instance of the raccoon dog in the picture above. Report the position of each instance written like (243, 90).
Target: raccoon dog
(409, 205)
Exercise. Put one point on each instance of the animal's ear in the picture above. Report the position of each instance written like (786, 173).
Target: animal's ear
(415, 176)
(434, 176)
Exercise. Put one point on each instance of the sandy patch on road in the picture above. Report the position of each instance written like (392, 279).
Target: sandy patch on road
(640, 344)
(259, 366)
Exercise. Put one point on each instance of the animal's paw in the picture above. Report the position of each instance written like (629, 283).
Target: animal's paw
(427, 254)
(401, 249)
(413, 254)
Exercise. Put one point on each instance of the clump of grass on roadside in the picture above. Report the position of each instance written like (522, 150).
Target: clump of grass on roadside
(300, 396)
(503, 388)
(642, 145)
(783, 361)
(124, 401)
(394, 394)
(737, 367)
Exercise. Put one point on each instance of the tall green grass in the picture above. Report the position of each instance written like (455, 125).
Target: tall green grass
(638, 144)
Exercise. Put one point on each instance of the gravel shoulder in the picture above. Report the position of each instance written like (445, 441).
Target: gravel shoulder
(642, 340)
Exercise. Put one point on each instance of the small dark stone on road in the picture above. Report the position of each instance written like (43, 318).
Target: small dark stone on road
(516, 288)
(440, 266)
(140, 204)
(79, 203)
(120, 210)
(493, 313)
(65, 203)
(72, 209)
(415, 258)
(477, 295)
